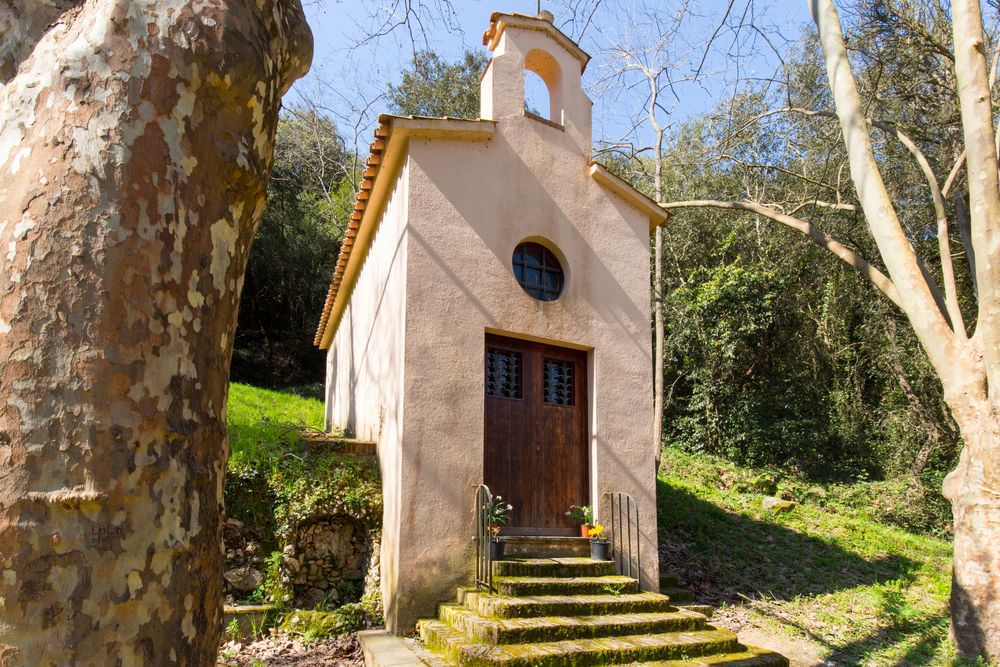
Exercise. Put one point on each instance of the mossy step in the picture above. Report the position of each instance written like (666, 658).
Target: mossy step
(748, 657)
(553, 567)
(503, 606)
(678, 595)
(553, 628)
(564, 586)
(604, 651)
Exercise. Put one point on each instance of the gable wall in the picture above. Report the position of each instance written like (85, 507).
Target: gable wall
(470, 205)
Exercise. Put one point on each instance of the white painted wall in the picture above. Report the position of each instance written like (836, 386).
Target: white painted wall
(365, 372)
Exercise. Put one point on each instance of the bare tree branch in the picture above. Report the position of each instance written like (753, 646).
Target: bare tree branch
(822, 239)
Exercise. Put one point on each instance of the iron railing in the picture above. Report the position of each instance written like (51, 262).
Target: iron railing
(484, 556)
(625, 535)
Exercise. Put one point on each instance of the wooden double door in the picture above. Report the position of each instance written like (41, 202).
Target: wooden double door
(536, 453)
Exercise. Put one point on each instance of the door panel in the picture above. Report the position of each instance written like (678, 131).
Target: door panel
(536, 453)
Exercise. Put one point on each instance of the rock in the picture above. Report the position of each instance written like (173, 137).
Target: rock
(776, 505)
(244, 579)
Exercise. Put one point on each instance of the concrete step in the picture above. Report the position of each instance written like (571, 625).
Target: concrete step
(543, 629)
(607, 650)
(539, 546)
(503, 606)
(612, 584)
(748, 657)
(553, 567)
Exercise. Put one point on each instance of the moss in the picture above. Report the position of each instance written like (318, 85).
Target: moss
(311, 625)
(326, 484)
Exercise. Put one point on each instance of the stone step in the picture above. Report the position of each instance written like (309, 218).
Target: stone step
(707, 610)
(502, 606)
(541, 546)
(612, 584)
(748, 657)
(607, 650)
(553, 567)
(525, 630)
(678, 595)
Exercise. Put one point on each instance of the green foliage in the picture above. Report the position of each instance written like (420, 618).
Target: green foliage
(582, 514)
(309, 199)
(233, 629)
(312, 626)
(273, 483)
(829, 571)
(434, 87)
(264, 424)
(902, 502)
(776, 353)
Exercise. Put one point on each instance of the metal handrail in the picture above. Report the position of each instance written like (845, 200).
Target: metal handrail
(484, 556)
(625, 535)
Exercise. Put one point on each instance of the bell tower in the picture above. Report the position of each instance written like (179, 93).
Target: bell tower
(522, 44)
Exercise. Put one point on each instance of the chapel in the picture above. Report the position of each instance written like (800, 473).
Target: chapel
(488, 322)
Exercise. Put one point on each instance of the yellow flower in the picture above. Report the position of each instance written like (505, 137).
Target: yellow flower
(596, 531)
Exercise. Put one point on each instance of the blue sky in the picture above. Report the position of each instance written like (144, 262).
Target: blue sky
(348, 76)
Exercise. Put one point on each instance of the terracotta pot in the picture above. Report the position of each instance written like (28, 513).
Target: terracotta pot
(584, 531)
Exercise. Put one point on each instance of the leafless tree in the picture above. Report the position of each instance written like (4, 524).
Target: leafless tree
(967, 365)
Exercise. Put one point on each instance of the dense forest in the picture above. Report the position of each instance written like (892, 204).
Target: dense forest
(775, 354)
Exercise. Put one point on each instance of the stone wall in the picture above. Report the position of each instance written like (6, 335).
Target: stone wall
(328, 561)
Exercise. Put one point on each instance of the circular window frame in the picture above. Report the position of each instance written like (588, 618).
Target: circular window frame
(551, 258)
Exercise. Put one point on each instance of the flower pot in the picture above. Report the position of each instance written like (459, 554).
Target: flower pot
(496, 550)
(599, 551)
(584, 531)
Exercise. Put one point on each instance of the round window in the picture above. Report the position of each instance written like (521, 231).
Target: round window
(538, 271)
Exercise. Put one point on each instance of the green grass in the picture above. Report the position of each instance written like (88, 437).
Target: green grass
(864, 592)
(263, 422)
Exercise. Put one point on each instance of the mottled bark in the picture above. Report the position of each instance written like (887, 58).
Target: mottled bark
(135, 143)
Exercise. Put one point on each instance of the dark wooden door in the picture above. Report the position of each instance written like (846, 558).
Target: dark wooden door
(536, 453)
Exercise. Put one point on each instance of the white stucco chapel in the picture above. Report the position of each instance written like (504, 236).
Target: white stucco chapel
(488, 322)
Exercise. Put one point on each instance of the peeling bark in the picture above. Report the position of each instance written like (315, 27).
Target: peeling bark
(135, 143)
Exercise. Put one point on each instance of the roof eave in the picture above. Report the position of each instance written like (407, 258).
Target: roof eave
(656, 214)
(394, 133)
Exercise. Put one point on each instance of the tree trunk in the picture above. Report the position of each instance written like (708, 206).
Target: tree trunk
(135, 143)
(974, 491)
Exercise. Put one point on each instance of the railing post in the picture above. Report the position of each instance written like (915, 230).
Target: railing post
(484, 554)
(624, 513)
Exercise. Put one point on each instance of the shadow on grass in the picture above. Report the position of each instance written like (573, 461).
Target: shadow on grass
(726, 557)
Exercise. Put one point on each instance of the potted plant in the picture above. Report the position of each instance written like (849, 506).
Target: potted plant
(583, 515)
(498, 516)
(598, 543)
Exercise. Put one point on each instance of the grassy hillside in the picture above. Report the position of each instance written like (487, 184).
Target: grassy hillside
(825, 573)
(262, 421)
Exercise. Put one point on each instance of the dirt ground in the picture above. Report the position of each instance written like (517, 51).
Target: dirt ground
(281, 651)
(800, 651)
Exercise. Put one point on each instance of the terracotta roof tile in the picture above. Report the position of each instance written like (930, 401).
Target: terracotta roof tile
(374, 164)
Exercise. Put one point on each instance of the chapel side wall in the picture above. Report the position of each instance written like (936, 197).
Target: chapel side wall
(364, 386)
(470, 205)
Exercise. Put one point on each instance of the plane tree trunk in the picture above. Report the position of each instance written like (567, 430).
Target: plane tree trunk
(136, 139)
